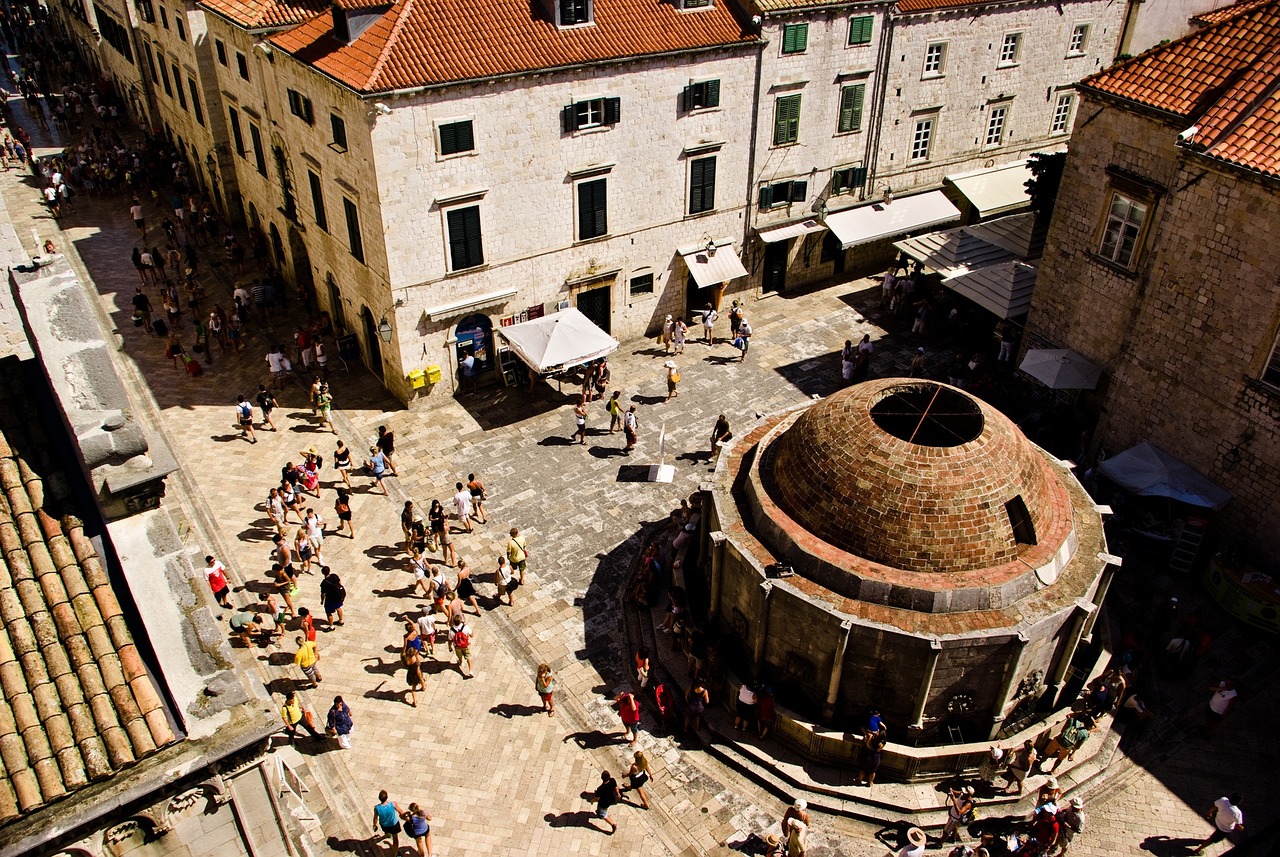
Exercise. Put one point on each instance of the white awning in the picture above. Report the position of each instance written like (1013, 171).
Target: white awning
(558, 341)
(465, 305)
(770, 234)
(712, 267)
(995, 190)
(868, 223)
(1004, 288)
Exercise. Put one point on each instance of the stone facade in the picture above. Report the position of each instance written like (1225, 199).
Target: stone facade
(1185, 332)
(125, 71)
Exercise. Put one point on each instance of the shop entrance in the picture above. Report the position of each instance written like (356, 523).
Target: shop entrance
(597, 305)
(775, 265)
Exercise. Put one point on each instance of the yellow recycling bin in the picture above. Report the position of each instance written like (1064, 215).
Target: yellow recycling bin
(417, 379)
(434, 374)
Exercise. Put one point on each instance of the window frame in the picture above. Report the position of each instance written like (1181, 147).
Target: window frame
(786, 120)
(857, 93)
(164, 77)
(609, 108)
(591, 200)
(1083, 31)
(940, 67)
(458, 149)
(196, 108)
(1130, 263)
(701, 95)
(782, 193)
(355, 231)
(860, 26)
(931, 123)
(795, 39)
(179, 26)
(320, 213)
(259, 153)
(1013, 39)
(337, 128)
(640, 277)
(854, 177)
(177, 86)
(300, 106)
(997, 123)
(1270, 374)
(220, 50)
(242, 66)
(237, 133)
(464, 241)
(588, 14)
(1067, 100)
(700, 187)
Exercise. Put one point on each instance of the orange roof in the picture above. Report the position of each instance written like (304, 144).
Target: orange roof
(1217, 16)
(1222, 79)
(424, 42)
(905, 6)
(266, 14)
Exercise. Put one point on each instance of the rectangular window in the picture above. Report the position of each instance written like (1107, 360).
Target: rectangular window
(146, 11)
(574, 12)
(242, 65)
(457, 137)
(339, 128)
(164, 17)
(860, 29)
(795, 38)
(1120, 235)
(317, 201)
(642, 284)
(300, 106)
(1271, 374)
(697, 4)
(195, 101)
(177, 85)
(593, 113)
(177, 22)
(164, 78)
(221, 50)
(354, 238)
(1079, 40)
(151, 62)
(935, 59)
(593, 220)
(783, 193)
(848, 179)
(237, 137)
(786, 120)
(466, 246)
(922, 139)
(704, 93)
(259, 157)
(702, 185)
(1011, 49)
(851, 98)
(995, 126)
(1062, 114)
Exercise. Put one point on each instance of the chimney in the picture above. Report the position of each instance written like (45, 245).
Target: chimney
(349, 24)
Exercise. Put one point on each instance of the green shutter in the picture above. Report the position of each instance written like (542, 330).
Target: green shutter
(612, 111)
(766, 196)
(448, 139)
(860, 29)
(786, 127)
(712, 98)
(795, 37)
(851, 107)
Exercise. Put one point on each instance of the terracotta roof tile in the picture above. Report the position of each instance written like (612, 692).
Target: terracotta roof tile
(1217, 16)
(907, 6)
(1222, 79)
(423, 42)
(266, 14)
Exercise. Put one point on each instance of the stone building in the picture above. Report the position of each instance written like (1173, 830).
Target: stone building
(901, 545)
(104, 33)
(1160, 265)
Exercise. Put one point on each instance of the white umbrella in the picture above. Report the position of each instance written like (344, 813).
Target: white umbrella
(559, 341)
(1148, 470)
(1061, 369)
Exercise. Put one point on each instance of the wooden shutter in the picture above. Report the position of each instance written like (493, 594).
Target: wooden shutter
(448, 138)
(766, 196)
(858, 177)
(851, 107)
(466, 249)
(786, 120)
(795, 37)
(612, 111)
(569, 119)
(592, 209)
(799, 191)
(712, 97)
(860, 30)
(686, 98)
(702, 185)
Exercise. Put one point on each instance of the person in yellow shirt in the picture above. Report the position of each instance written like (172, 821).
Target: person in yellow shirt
(294, 716)
(308, 658)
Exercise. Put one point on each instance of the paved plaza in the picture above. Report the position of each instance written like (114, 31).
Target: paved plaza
(497, 775)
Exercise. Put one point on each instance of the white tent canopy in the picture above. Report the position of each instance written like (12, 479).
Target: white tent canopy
(1148, 470)
(1061, 369)
(558, 341)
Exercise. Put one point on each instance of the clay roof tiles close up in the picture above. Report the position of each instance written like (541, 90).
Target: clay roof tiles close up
(426, 42)
(266, 14)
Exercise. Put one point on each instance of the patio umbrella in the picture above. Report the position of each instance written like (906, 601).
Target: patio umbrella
(1061, 369)
(1149, 471)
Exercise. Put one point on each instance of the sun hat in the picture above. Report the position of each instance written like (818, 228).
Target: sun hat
(916, 837)
(670, 364)
(772, 840)
(1077, 803)
(800, 805)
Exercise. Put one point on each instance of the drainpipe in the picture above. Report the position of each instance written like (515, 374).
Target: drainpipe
(757, 659)
(926, 685)
(837, 670)
(872, 158)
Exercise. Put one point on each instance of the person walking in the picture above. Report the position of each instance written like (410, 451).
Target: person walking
(216, 573)
(417, 824)
(1072, 821)
(440, 533)
(667, 330)
(412, 656)
(580, 420)
(377, 464)
(518, 553)
(407, 516)
(294, 716)
(244, 418)
(333, 594)
(629, 713)
(342, 508)
(505, 581)
(339, 723)
(462, 505)
(720, 434)
(679, 331)
(709, 317)
(386, 821)
(673, 379)
(460, 636)
(959, 805)
(545, 686)
(638, 777)
(743, 340)
(342, 462)
(630, 425)
(386, 443)
(696, 699)
(324, 409)
(614, 409)
(1019, 766)
(1226, 817)
(605, 796)
(308, 659)
(267, 402)
(1221, 702)
(478, 496)
(276, 510)
(465, 587)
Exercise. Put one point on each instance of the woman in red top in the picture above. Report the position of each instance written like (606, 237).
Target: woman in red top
(629, 711)
(308, 626)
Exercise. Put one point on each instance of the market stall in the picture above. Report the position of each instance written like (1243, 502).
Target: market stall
(555, 343)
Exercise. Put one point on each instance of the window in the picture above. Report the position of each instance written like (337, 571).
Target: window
(786, 120)
(164, 17)
(574, 12)
(1011, 49)
(1024, 529)
(339, 129)
(177, 85)
(642, 284)
(1125, 218)
(704, 93)
(783, 193)
(847, 179)
(593, 220)
(300, 106)
(697, 4)
(592, 113)
(259, 157)
(1271, 374)
(466, 247)
(242, 65)
(336, 311)
(795, 38)
(177, 22)
(702, 185)
(237, 137)
(115, 34)
(146, 11)
(851, 108)
(151, 62)
(995, 126)
(860, 29)
(317, 201)
(1079, 40)
(457, 137)
(221, 50)
(195, 101)
(354, 238)
(935, 59)
(922, 139)
(1062, 114)
(164, 78)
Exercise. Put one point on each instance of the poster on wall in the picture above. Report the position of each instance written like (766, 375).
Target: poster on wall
(536, 311)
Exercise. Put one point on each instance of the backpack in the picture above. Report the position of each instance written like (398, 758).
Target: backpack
(461, 639)
(1075, 733)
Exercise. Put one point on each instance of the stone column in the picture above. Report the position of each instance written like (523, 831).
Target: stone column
(1104, 586)
(757, 660)
(926, 684)
(718, 539)
(1084, 612)
(1011, 671)
(837, 670)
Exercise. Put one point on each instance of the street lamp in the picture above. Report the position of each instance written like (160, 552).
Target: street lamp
(384, 329)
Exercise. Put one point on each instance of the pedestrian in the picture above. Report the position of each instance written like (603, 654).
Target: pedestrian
(614, 409)
(629, 713)
(216, 572)
(342, 508)
(1221, 702)
(267, 402)
(276, 510)
(417, 824)
(1020, 765)
(339, 723)
(324, 407)
(308, 659)
(1226, 817)
(605, 796)
(303, 549)
(505, 581)
(377, 465)
(244, 624)
(440, 533)
(387, 444)
(244, 418)
(427, 630)
(667, 329)
(709, 316)
(673, 379)
(1075, 731)
(386, 821)
(638, 777)
(1072, 821)
(720, 434)
(294, 715)
(991, 765)
(276, 363)
(735, 319)
(696, 699)
(333, 594)
(846, 362)
(629, 428)
(917, 364)
(478, 496)
(641, 663)
(678, 332)
(412, 656)
(766, 711)
(745, 714)
(139, 219)
(960, 808)
(743, 340)
(545, 686)
(286, 585)
(873, 744)
(460, 636)
(915, 844)
(342, 462)
(1045, 829)
(518, 553)
(462, 505)
(580, 420)
(798, 811)
(465, 587)
(407, 516)
(307, 625)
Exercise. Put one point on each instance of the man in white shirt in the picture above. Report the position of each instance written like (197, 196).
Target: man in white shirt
(1227, 819)
(709, 316)
(139, 220)
(1222, 701)
(462, 504)
(275, 360)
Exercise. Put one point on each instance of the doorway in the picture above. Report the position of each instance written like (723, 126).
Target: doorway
(833, 251)
(303, 277)
(775, 265)
(277, 248)
(373, 346)
(597, 305)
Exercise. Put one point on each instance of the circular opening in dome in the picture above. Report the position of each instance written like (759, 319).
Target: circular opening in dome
(928, 415)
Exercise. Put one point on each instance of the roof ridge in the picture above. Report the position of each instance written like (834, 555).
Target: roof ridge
(385, 54)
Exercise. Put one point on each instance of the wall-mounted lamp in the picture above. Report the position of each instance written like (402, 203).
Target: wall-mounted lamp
(381, 109)
(384, 329)
(711, 248)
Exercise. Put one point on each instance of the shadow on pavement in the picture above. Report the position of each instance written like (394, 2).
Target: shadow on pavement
(512, 709)
(580, 818)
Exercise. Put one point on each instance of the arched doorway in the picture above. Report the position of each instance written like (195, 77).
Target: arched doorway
(253, 215)
(303, 277)
(372, 344)
(474, 334)
(277, 248)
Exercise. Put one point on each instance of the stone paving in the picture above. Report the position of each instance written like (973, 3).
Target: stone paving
(498, 776)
